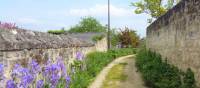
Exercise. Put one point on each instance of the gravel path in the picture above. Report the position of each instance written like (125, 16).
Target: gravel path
(133, 80)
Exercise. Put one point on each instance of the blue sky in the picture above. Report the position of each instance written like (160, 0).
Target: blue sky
(43, 15)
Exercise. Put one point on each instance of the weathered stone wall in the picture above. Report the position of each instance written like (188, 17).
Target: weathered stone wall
(20, 46)
(101, 45)
(176, 36)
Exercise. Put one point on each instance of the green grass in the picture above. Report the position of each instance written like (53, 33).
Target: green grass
(115, 75)
(95, 62)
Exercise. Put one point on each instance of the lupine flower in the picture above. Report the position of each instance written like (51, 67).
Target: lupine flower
(40, 84)
(1, 68)
(67, 79)
(26, 80)
(34, 67)
(54, 80)
(48, 62)
(46, 71)
(10, 84)
(79, 56)
(53, 74)
(24, 71)
(1, 72)
(23, 74)
(61, 64)
(16, 71)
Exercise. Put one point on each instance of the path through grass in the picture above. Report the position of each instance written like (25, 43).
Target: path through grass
(115, 76)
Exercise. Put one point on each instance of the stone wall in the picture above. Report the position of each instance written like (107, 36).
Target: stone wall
(176, 36)
(101, 45)
(20, 46)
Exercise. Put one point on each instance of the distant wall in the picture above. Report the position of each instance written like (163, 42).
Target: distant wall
(176, 36)
(101, 45)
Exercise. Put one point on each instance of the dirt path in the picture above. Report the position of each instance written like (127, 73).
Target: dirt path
(133, 79)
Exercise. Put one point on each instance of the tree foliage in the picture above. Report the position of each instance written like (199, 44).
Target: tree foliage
(88, 24)
(128, 38)
(155, 8)
(114, 37)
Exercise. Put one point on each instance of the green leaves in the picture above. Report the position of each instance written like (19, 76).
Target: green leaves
(57, 32)
(140, 7)
(128, 38)
(88, 24)
(159, 74)
(95, 62)
(97, 37)
(189, 80)
(154, 8)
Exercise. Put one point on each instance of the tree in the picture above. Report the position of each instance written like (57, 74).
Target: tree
(88, 24)
(114, 37)
(155, 8)
(128, 38)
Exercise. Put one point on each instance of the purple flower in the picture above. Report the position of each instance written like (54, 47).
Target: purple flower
(16, 71)
(26, 80)
(34, 67)
(79, 56)
(40, 84)
(24, 71)
(53, 74)
(54, 80)
(67, 79)
(61, 64)
(48, 62)
(10, 84)
(1, 72)
(1, 68)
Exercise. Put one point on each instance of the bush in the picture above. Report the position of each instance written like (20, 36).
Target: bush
(159, 74)
(56, 32)
(97, 38)
(95, 62)
(189, 80)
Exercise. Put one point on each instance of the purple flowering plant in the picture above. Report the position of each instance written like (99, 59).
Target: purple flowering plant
(78, 63)
(1, 72)
(49, 75)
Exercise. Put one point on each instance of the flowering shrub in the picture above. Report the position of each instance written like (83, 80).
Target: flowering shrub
(5, 25)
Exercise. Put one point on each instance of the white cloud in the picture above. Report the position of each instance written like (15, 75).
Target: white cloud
(101, 10)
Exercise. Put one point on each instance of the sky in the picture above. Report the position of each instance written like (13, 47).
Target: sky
(43, 15)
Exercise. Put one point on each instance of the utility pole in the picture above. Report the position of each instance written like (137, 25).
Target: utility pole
(109, 46)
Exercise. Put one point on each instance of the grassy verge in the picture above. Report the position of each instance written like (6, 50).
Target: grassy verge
(95, 62)
(159, 74)
(115, 75)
